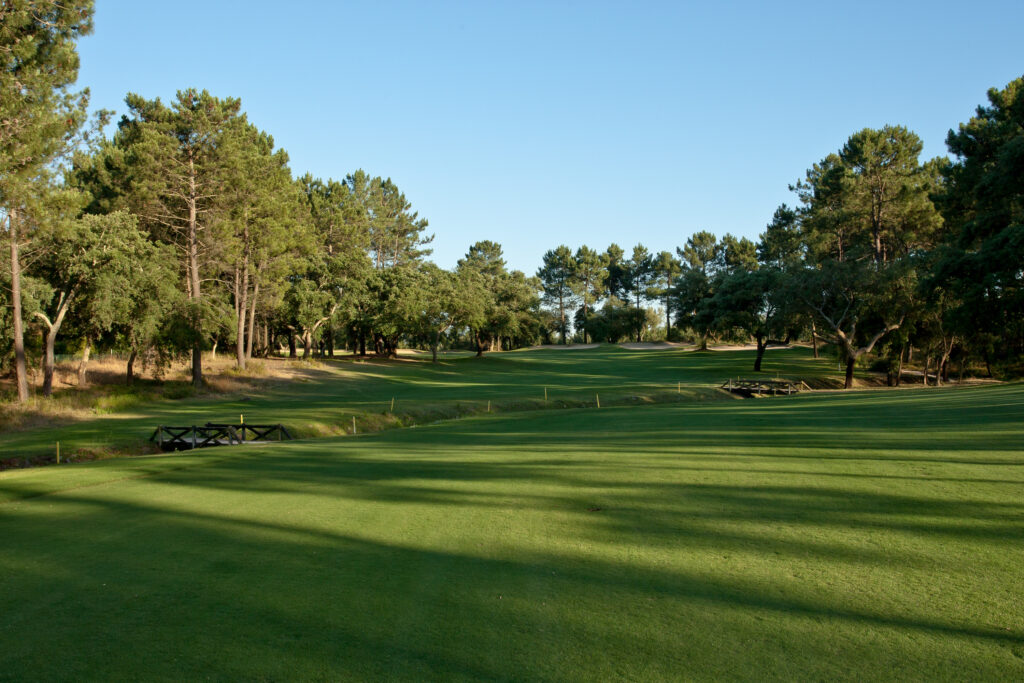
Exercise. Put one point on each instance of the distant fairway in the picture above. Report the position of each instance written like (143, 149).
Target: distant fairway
(325, 397)
(873, 535)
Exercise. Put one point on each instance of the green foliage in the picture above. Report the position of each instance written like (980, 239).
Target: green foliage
(39, 120)
(589, 282)
(180, 163)
(781, 244)
(667, 269)
(508, 307)
(701, 252)
(871, 200)
(983, 202)
(39, 113)
(756, 302)
(556, 277)
(618, 271)
(640, 285)
(866, 217)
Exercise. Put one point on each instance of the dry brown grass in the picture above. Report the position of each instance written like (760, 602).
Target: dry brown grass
(106, 390)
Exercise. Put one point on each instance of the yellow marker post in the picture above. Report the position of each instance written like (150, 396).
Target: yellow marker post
(58, 452)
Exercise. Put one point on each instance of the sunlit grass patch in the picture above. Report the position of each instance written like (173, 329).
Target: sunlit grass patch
(877, 535)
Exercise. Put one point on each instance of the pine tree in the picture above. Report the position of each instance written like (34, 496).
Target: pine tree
(178, 171)
(38, 116)
(589, 277)
(556, 275)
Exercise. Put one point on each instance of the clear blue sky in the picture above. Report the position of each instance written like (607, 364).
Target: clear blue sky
(540, 123)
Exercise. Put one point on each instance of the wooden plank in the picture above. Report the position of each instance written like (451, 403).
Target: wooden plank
(214, 434)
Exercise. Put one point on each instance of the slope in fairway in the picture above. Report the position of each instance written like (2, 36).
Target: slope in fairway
(860, 536)
(324, 398)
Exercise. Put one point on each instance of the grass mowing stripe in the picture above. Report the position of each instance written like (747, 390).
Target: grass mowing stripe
(868, 536)
(335, 391)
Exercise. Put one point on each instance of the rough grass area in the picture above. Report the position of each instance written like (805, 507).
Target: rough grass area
(876, 535)
(321, 398)
(106, 392)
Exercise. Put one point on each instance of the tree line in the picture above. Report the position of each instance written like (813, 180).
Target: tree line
(186, 232)
(881, 254)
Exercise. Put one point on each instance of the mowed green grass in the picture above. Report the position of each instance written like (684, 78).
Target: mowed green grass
(873, 535)
(325, 397)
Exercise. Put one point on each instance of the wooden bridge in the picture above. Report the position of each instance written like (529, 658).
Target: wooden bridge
(212, 434)
(763, 387)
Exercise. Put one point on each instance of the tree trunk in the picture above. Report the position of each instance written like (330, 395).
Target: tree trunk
(20, 367)
(586, 335)
(850, 360)
(668, 315)
(213, 349)
(704, 341)
(927, 367)
(242, 294)
(639, 324)
(52, 328)
(761, 346)
(561, 313)
(942, 369)
(330, 341)
(814, 339)
(252, 319)
(48, 363)
(307, 344)
(129, 371)
(479, 345)
(362, 342)
(899, 367)
(291, 345)
(83, 367)
(433, 347)
(194, 280)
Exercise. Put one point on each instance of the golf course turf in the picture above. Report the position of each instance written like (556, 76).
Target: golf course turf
(323, 397)
(860, 535)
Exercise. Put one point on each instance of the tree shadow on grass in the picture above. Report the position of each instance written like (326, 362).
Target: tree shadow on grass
(573, 546)
(206, 591)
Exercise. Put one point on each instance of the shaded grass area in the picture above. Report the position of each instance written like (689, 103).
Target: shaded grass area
(321, 399)
(863, 536)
